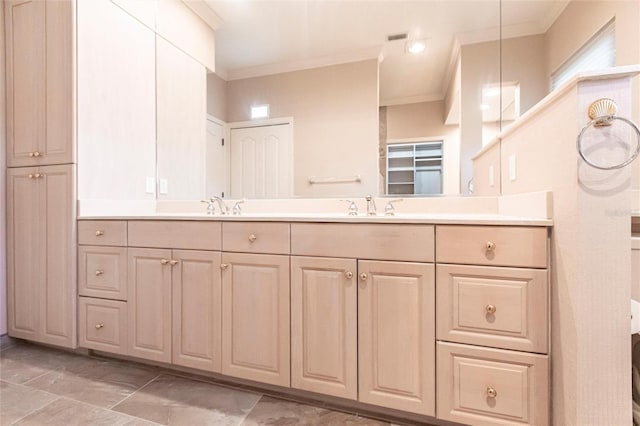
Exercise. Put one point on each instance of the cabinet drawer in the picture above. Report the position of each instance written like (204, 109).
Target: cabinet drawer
(482, 386)
(499, 307)
(103, 325)
(102, 232)
(492, 245)
(256, 237)
(102, 272)
(201, 235)
(413, 243)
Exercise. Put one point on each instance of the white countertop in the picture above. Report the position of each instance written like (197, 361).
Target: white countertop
(436, 219)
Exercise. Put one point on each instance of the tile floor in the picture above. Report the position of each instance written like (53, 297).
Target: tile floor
(43, 386)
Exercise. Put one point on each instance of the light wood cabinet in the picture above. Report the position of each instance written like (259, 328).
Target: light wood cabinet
(149, 303)
(39, 65)
(486, 386)
(255, 317)
(102, 272)
(41, 260)
(196, 309)
(324, 327)
(396, 335)
(103, 325)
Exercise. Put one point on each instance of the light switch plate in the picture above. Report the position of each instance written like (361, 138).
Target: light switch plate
(150, 185)
(491, 176)
(512, 167)
(164, 186)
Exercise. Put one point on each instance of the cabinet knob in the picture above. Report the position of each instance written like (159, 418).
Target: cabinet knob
(224, 265)
(173, 262)
(252, 238)
(491, 246)
(36, 154)
(30, 176)
(99, 326)
(31, 154)
(491, 309)
(38, 175)
(99, 272)
(491, 392)
(348, 274)
(99, 233)
(164, 261)
(363, 276)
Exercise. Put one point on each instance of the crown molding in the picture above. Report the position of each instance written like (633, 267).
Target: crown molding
(433, 97)
(304, 64)
(205, 12)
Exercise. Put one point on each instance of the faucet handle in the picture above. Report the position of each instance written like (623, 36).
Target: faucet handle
(211, 208)
(237, 210)
(353, 208)
(389, 210)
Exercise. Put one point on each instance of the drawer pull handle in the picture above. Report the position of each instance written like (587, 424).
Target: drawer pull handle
(173, 262)
(491, 309)
(99, 272)
(491, 392)
(99, 326)
(363, 276)
(348, 274)
(99, 233)
(252, 238)
(164, 261)
(491, 246)
(224, 266)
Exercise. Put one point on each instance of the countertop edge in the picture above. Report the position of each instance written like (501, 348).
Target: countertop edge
(490, 220)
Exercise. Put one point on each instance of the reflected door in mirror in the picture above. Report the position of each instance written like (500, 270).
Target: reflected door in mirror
(261, 161)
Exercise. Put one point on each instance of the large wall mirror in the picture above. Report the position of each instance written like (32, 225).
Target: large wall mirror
(347, 98)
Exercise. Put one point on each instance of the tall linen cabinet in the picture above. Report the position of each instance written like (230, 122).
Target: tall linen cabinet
(41, 175)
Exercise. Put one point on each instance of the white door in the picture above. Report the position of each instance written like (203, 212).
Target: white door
(216, 161)
(261, 161)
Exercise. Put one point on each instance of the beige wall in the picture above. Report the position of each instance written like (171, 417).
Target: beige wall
(523, 61)
(3, 170)
(580, 21)
(426, 120)
(216, 97)
(335, 122)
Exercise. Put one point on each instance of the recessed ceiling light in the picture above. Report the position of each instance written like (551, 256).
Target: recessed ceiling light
(416, 46)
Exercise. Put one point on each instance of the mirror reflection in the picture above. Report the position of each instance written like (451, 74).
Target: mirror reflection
(321, 98)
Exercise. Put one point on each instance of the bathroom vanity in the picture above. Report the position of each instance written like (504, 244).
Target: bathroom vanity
(442, 318)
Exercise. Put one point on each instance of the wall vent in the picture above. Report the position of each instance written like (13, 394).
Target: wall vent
(396, 37)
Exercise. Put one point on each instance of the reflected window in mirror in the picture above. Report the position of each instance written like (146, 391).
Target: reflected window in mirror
(598, 53)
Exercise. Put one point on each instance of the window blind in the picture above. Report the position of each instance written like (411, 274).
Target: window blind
(596, 54)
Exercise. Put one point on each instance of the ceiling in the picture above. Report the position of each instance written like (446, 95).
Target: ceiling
(260, 37)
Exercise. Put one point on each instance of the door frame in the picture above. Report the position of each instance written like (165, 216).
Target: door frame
(260, 123)
(227, 158)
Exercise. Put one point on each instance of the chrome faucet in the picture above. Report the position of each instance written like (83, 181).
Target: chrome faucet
(211, 208)
(224, 209)
(237, 210)
(353, 208)
(371, 206)
(389, 209)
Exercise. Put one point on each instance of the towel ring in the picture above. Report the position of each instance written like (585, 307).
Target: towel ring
(607, 120)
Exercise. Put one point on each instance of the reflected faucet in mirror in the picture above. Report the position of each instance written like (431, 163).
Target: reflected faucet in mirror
(211, 209)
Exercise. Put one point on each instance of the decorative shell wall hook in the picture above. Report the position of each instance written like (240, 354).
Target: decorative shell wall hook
(603, 110)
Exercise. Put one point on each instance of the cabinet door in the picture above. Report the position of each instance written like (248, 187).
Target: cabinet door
(149, 304)
(39, 82)
(396, 335)
(255, 317)
(196, 309)
(58, 245)
(324, 314)
(24, 253)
